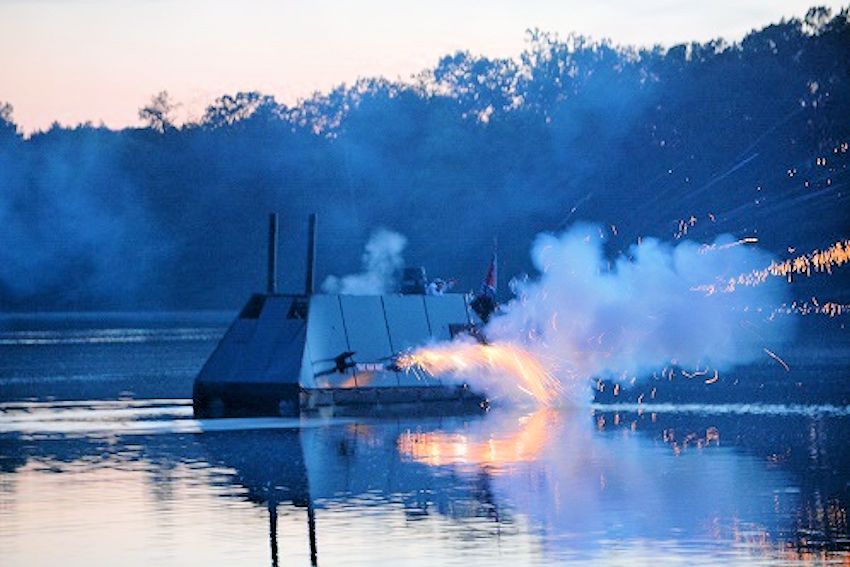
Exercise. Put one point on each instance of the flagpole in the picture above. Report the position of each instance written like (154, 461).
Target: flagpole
(495, 264)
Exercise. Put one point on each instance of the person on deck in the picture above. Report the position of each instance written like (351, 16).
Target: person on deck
(439, 287)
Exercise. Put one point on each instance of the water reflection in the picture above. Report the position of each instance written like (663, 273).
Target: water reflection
(543, 487)
(591, 492)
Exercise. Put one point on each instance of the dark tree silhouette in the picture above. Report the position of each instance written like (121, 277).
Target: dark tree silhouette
(158, 113)
(749, 138)
(8, 128)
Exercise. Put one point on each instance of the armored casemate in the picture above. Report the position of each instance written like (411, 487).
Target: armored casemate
(288, 353)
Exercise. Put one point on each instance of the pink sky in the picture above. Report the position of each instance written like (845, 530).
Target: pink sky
(100, 60)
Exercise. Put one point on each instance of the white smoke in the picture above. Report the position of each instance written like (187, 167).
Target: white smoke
(382, 260)
(587, 316)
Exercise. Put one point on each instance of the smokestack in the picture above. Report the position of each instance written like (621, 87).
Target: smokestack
(309, 284)
(271, 281)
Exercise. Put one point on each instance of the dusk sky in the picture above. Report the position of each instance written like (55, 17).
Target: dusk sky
(100, 60)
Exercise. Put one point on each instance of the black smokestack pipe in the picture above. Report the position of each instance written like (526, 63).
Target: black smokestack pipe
(309, 285)
(271, 282)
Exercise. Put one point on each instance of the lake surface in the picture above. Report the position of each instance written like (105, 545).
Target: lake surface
(101, 463)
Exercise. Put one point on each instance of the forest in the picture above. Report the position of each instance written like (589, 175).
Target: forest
(687, 142)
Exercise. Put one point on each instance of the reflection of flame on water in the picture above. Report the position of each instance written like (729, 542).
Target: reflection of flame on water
(498, 358)
(523, 445)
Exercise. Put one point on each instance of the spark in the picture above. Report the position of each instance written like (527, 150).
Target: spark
(818, 261)
(521, 389)
(694, 374)
(499, 358)
(812, 307)
(705, 248)
(775, 357)
(684, 225)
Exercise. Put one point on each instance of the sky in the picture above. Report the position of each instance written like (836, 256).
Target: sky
(73, 61)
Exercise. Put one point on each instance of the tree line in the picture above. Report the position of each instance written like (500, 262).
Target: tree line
(748, 138)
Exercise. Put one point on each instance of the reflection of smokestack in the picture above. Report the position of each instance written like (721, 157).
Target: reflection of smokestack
(311, 532)
(271, 281)
(273, 530)
(309, 285)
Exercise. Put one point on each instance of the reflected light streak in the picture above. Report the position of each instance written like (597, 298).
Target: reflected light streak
(525, 444)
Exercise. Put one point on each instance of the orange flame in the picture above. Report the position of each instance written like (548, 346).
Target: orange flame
(498, 358)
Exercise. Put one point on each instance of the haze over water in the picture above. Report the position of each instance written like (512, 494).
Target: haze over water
(100, 459)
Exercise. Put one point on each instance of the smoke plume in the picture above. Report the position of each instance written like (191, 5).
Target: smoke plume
(587, 316)
(382, 260)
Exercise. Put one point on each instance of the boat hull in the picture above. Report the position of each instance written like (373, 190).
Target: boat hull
(240, 399)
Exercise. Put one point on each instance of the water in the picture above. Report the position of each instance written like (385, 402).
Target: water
(102, 463)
